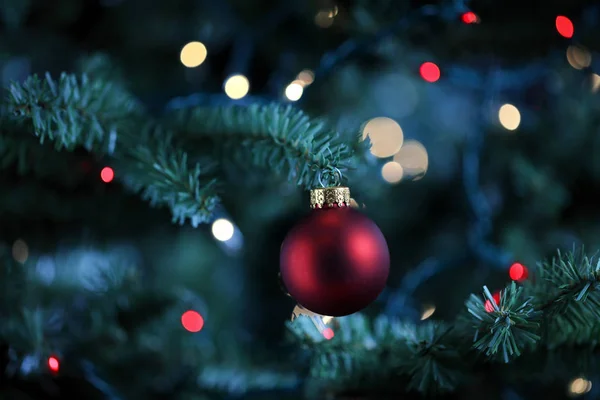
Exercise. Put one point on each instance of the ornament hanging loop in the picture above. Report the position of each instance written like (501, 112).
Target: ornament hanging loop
(330, 177)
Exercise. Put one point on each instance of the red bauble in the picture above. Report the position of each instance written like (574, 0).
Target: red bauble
(335, 262)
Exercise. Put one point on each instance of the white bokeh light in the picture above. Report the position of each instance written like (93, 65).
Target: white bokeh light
(222, 230)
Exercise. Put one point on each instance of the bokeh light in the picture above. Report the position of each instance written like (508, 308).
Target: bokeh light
(53, 364)
(237, 86)
(489, 307)
(107, 174)
(469, 17)
(324, 18)
(20, 251)
(564, 26)
(579, 386)
(413, 158)
(306, 76)
(578, 57)
(427, 312)
(595, 82)
(192, 321)
(429, 72)
(386, 136)
(518, 272)
(510, 117)
(222, 230)
(294, 91)
(392, 172)
(328, 333)
(193, 54)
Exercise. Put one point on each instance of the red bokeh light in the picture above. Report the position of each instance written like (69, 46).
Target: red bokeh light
(107, 174)
(489, 307)
(518, 272)
(564, 26)
(328, 333)
(469, 17)
(192, 321)
(53, 364)
(429, 72)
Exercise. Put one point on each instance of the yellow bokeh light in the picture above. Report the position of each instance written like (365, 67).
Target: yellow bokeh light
(580, 386)
(427, 312)
(193, 54)
(324, 19)
(386, 136)
(578, 57)
(237, 86)
(222, 230)
(509, 116)
(413, 158)
(20, 251)
(294, 91)
(595, 82)
(392, 172)
(306, 76)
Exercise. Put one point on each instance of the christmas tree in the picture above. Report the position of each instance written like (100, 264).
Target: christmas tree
(154, 155)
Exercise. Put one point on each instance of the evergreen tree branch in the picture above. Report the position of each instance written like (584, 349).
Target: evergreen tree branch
(280, 138)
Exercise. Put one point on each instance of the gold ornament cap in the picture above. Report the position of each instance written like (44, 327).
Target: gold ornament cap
(330, 197)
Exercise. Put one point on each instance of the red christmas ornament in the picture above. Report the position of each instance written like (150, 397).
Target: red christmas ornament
(336, 261)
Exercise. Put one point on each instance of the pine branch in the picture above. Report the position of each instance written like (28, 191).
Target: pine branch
(280, 138)
(103, 118)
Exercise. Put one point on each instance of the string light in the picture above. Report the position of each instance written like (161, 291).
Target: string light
(294, 91)
(193, 54)
(469, 17)
(328, 333)
(53, 364)
(192, 321)
(107, 174)
(430, 72)
(237, 86)
(578, 57)
(386, 136)
(509, 116)
(518, 272)
(413, 158)
(222, 230)
(564, 26)
(489, 307)
(20, 251)
(392, 172)
(427, 312)
(580, 386)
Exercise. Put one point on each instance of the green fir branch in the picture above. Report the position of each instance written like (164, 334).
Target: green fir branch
(280, 138)
(509, 328)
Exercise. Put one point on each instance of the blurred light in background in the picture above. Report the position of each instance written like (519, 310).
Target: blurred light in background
(518, 272)
(193, 54)
(53, 364)
(222, 230)
(578, 57)
(413, 159)
(45, 269)
(237, 86)
(192, 321)
(429, 72)
(306, 76)
(509, 116)
(324, 18)
(327, 319)
(595, 82)
(489, 307)
(579, 386)
(294, 90)
(469, 17)
(564, 26)
(392, 172)
(20, 251)
(107, 174)
(328, 333)
(427, 312)
(386, 136)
